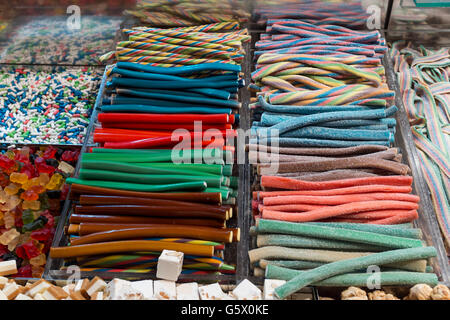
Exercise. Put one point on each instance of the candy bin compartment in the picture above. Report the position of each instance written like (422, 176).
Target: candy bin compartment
(49, 105)
(234, 253)
(38, 189)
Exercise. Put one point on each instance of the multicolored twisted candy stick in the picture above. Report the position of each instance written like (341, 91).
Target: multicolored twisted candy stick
(173, 59)
(202, 42)
(424, 82)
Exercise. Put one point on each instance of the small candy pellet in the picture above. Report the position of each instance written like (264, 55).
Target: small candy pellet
(46, 106)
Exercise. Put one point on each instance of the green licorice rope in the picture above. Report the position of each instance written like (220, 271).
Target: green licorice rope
(391, 230)
(313, 243)
(293, 264)
(88, 174)
(209, 168)
(162, 156)
(272, 226)
(186, 186)
(325, 256)
(212, 154)
(387, 278)
(345, 266)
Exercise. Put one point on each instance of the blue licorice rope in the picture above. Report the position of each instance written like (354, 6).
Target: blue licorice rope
(133, 108)
(157, 84)
(314, 132)
(304, 142)
(165, 77)
(143, 94)
(196, 92)
(305, 110)
(181, 70)
(284, 123)
(119, 99)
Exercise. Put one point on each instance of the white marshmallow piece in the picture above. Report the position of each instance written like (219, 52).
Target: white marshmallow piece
(188, 291)
(170, 264)
(211, 292)
(22, 297)
(145, 287)
(118, 289)
(269, 288)
(247, 291)
(164, 290)
(8, 267)
(3, 296)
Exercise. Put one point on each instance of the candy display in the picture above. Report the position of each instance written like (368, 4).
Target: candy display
(425, 86)
(327, 177)
(32, 189)
(135, 192)
(182, 13)
(223, 150)
(47, 106)
(119, 289)
(421, 291)
(34, 42)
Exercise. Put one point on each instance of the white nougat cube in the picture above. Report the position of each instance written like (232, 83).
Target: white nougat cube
(211, 292)
(187, 291)
(170, 264)
(145, 287)
(21, 296)
(3, 296)
(269, 288)
(118, 289)
(164, 290)
(247, 291)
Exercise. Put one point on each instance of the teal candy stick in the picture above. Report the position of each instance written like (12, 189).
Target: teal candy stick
(391, 230)
(309, 242)
(194, 186)
(132, 108)
(89, 174)
(344, 266)
(272, 226)
(388, 278)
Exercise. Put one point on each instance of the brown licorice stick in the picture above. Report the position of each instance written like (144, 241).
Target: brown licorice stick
(152, 211)
(236, 233)
(78, 218)
(86, 228)
(357, 150)
(342, 163)
(109, 200)
(156, 231)
(204, 197)
(329, 175)
(129, 246)
(260, 195)
(336, 200)
(287, 183)
(339, 210)
(262, 157)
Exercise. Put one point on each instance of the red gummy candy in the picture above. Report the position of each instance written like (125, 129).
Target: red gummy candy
(4, 180)
(21, 157)
(50, 218)
(27, 251)
(64, 192)
(48, 243)
(6, 163)
(43, 234)
(43, 167)
(50, 153)
(24, 272)
(29, 170)
(70, 156)
(29, 195)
